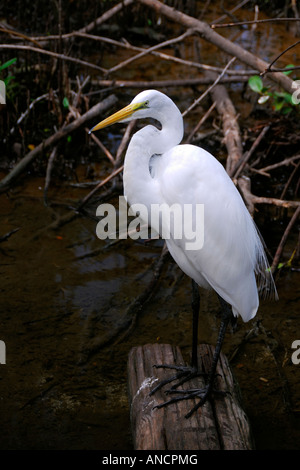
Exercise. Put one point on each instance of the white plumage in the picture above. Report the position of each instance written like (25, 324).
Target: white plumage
(233, 253)
(232, 260)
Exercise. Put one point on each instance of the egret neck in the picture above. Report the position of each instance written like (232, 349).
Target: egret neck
(141, 185)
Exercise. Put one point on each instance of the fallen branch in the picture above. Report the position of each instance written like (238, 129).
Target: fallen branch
(161, 55)
(231, 129)
(52, 54)
(151, 49)
(52, 140)
(167, 83)
(244, 185)
(207, 33)
(284, 239)
(245, 23)
(286, 161)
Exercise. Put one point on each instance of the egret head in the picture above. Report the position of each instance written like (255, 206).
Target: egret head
(148, 103)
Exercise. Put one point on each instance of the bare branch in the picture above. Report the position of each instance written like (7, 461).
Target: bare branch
(207, 33)
(284, 239)
(244, 23)
(52, 54)
(52, 140)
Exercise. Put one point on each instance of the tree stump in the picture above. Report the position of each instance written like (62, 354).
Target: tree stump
(220, 423)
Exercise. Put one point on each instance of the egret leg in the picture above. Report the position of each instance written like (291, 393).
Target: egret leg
(203, 393)
(185, 373)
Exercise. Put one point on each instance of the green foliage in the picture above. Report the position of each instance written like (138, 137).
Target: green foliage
(66, 103)
(281, 101)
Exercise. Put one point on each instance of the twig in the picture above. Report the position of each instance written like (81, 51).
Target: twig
(243, 23)
(52, 140)
(234, 173)
(5, 237)
(102, 183)
(219, 41)
(269, 68)
(289, 180)
(161, 55)
(202, 120)
(20, 35)
(237, 7)
(52, 54)
(106, 16)
(94, 24)
(48, 174)
(102, 147)
(30, 107)
(151, 49)
(244, 185)
(208, 90)
(284, 239)
(168, 83)
(287, 161)
(124, 142)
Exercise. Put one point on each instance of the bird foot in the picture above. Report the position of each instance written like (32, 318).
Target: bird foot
(202, 393)
(184, 373)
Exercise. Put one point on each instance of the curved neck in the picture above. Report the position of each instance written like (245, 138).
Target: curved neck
(139, 186)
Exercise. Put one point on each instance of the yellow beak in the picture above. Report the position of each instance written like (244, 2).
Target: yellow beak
(118, 116)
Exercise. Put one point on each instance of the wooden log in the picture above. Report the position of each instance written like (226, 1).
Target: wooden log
(220, 423)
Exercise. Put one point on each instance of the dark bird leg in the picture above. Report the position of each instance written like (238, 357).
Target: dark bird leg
(185, 372)
(205, 392)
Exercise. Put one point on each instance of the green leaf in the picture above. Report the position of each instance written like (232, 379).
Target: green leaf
(65, 102)
(278, 105)
(8, 79)
(288, 71)
(288, 98)
(255, 83)
(8, 63)
(286, 110)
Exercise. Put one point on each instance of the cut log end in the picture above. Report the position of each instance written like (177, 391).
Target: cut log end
(220, 423)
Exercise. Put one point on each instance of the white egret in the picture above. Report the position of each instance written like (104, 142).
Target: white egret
(232, 261)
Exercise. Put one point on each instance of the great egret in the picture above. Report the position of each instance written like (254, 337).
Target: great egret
(232, 261)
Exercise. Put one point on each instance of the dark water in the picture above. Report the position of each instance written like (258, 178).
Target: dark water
(63, 386)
